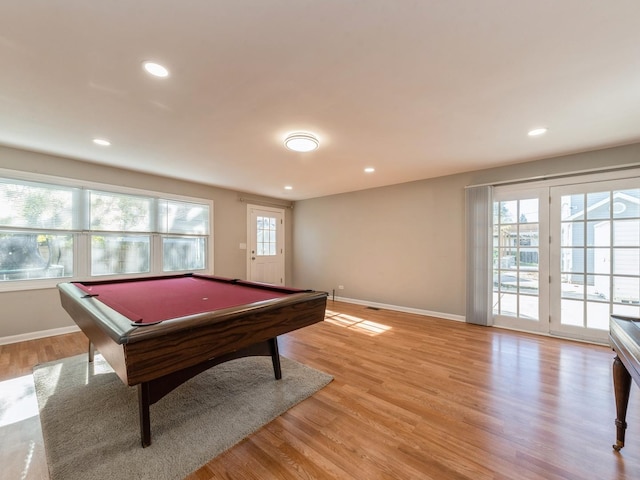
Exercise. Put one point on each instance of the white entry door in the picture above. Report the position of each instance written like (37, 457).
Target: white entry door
(266, 244)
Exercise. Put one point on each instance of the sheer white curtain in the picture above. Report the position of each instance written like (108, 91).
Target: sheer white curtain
(478, 206)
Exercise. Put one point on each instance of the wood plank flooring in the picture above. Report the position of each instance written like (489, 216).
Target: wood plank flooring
(413, 398)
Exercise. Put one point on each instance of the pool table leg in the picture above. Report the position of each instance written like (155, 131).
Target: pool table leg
(275, 357)
(152, 391)
(622, 387)
(144, 401)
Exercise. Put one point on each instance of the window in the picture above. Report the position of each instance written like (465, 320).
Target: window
(61, 231)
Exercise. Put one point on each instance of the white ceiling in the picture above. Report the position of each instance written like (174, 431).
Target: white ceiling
(414, 88)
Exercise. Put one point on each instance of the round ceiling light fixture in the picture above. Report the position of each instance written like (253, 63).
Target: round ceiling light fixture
(155, 69)
(301, 142)
(102, 142)
(537, 131)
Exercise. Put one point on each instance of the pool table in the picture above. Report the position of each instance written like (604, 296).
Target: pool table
(158, 332)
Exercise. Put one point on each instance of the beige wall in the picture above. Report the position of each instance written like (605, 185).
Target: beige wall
(400, 245)
(404, 245)
(24, 312)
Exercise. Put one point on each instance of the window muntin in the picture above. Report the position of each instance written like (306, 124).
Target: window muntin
(266, 231)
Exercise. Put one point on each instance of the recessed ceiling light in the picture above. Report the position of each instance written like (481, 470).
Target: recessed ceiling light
(155, 69)
(537, 131)
(369, 170)
(301, 142)
(288, 187)
(102, 142)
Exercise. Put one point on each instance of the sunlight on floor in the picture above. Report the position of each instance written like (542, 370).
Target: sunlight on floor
(17, 400)
(358, 324)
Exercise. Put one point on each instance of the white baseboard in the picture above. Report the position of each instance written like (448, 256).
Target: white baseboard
(24, 337)
(397, 308)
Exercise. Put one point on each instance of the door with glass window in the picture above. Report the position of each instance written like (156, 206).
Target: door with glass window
(520, 259)
(595, 256)
(266, 245)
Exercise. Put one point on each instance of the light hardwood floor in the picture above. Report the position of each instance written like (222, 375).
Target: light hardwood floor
(413, 398)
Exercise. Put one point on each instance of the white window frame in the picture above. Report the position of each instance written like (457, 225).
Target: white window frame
(81, 244)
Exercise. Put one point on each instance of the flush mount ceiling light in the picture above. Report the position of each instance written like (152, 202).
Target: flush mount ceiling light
(155, 69)
(301, 142)
(102, 142)
(537, 131)
(369, 170)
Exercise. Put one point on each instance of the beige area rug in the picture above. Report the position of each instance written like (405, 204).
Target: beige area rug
(90, 418)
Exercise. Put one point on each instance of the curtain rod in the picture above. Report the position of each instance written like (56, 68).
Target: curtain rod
(552, 176)
(265, 202)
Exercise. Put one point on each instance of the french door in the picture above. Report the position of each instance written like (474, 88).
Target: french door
(566, 257)
(595, 256)
(520, 259)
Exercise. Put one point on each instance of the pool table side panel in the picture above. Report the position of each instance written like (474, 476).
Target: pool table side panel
(110, 349)
(156, 356)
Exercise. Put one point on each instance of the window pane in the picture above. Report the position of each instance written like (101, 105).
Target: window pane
(572, 313)
(507, 235)
(598, 315)
(35, 205)
(598, 205)
(183, 253)
(598, 287)
(572, 207)
(509, 211)
(266, 235)
(626, 233)
(183, 217)
(626, 290)
(529, 210)
(529, 307)
(572, 286)
(625, 203)
(572, 260)
(626, 261)
(30, 256)
(599, 233)
(111, 254)
(119, 213)
(572, 233)
(599, 260)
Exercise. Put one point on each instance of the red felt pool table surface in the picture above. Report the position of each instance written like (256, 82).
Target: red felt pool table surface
(147, 301)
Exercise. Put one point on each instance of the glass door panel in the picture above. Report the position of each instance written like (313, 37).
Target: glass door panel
(595, 263)
(519, 221)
